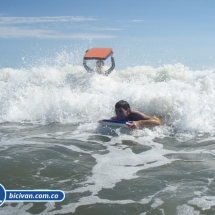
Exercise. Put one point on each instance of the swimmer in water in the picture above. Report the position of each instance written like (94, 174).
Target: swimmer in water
(99, 66)
(138, 119)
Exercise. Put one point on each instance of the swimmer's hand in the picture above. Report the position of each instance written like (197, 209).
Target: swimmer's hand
(100, 121)
(134, 125)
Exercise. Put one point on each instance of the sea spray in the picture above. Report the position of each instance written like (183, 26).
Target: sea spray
(183, 98)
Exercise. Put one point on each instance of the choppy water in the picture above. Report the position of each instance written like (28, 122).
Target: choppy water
(50, 139)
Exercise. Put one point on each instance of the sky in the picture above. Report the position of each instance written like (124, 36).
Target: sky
(140, 32)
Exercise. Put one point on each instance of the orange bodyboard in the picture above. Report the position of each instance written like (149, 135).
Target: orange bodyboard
(98, 53)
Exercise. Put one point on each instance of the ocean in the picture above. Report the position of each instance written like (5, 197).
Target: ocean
(50, 138)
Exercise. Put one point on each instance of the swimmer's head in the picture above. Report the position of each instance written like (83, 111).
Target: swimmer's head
(122, 110)
(99, 63)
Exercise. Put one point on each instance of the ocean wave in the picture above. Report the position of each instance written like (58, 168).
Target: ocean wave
(183, 98)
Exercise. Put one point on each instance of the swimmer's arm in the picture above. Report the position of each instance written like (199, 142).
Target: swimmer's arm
(87, 67)
(112, 65)
(145, 123)
(135, 116)
(141, 120)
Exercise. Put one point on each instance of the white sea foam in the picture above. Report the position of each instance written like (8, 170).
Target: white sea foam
(186, 210)
(68, 94)
(205, 202)
(123, 160)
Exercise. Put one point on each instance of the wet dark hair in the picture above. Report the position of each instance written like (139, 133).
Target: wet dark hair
(101, 62)
(122, 104)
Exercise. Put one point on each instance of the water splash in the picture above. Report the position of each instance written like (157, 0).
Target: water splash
(66, 93)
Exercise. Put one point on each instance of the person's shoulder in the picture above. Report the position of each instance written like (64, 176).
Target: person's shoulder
(135, 111)
(136, 115)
